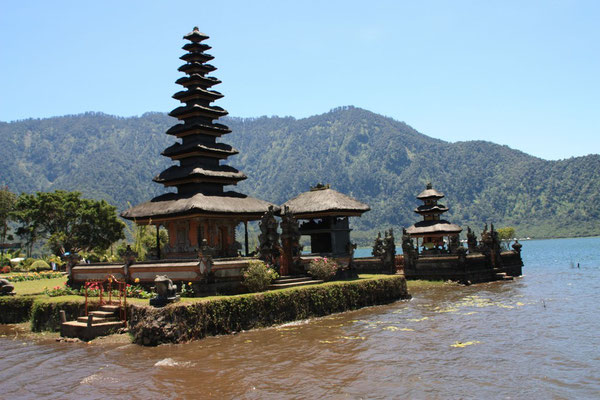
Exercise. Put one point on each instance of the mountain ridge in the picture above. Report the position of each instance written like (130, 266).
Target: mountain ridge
(378, 160)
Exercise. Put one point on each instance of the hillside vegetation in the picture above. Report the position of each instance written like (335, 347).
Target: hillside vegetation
(375, 159)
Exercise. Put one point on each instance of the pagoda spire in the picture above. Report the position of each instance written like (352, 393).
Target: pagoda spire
(430, 210)
(198, 153)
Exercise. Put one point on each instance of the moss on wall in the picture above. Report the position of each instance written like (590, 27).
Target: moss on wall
(178, 323)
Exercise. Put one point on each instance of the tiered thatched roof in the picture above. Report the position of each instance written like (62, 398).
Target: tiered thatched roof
(224, 204)
(199, 177)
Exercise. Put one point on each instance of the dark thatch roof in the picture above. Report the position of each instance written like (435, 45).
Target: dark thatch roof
(177, 172)
(423, 228)
(436, 208)
(196, 35)
(196, 46)
(198, 110)
(174, 204)
(321, 202)
(219, 150)
(197, 93)
(195, 67)
(215, 128)
(430, 193)
(198, 80)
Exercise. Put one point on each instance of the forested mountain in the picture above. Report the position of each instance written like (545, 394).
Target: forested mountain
(376, 159)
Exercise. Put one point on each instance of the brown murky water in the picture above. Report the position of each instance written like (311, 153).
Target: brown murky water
(536, 337)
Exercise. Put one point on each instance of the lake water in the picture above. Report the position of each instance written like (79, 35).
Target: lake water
(537, 337)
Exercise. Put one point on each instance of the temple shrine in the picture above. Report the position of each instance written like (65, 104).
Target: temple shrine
(201, 211)
(325, 214)
(432, 230)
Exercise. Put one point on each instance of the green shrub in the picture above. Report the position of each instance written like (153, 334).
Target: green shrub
(24, 265)
(15, 309)
(258, 276)
(180, 322)
(45, 315)
(40, 265)
(323, 268)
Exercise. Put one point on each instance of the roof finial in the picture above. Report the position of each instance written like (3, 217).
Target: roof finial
(196, 29)
(429, 185)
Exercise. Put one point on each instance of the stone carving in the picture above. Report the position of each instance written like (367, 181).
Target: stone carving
(291, 230)
(269, 249)
(389, 252)
(453, 244)
(490, 245)
(517, 246)
(290, 241)
(6, 288)
(471, 241)
(166, 291)
(377, 246)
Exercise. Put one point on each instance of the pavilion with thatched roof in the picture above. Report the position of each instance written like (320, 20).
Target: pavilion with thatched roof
(200, 209)
(432, 229)
(326, 212)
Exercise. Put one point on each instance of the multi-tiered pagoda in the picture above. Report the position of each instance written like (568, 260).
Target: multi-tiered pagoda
(201, 208)
(432, 229)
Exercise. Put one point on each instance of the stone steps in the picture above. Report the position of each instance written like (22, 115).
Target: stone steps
(83, 331)
(293, 281)
(503, 276)
(97, 323)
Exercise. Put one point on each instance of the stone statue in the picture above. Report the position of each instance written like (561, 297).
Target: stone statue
(290, 243)
(517, 246)
(453, 244)
(6, 288)
(389, 252)
(471, 240)
(290, 230)
(166, 291)
(377, 246)
(268, 248)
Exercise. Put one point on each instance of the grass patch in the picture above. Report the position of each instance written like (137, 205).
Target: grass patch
(423, 284)
(38, 286)
(362, 277)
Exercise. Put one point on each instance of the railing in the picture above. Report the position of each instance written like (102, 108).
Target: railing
(99, 285)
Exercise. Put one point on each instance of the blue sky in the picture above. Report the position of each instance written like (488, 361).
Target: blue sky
(521, 73)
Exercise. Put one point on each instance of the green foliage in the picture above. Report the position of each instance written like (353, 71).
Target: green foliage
(40, 265)
(258, 276)
(323, 268)
(187, 290)
(57, 291)
(380, 161)
(33, 276)
(7, 204)
(144, 240)
(15, 309)
(507, 233)
(45, 315)
(25, 265)
(138, 292)
(69, 222)
(184, 322)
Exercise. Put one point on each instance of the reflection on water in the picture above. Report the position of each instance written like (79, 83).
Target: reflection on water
(533, 337)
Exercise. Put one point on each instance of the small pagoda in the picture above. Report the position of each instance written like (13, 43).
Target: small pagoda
(201, 212)
(432, 230)
(325, 213)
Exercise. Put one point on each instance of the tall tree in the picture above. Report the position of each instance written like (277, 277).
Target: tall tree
(68, 222)
(7, 204)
